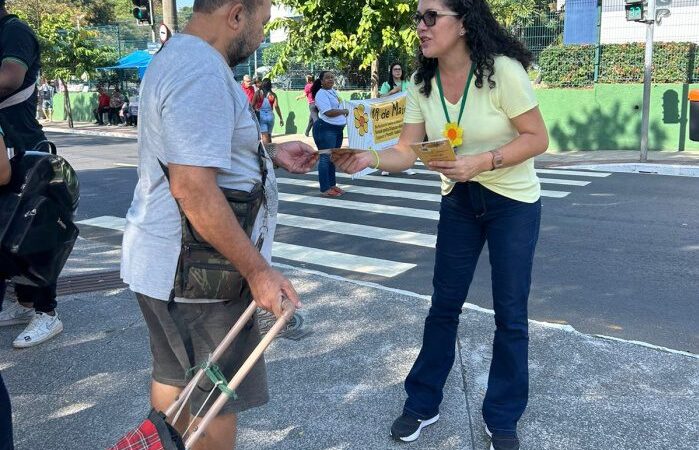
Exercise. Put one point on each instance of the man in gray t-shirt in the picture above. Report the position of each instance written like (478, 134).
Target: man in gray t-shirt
(195, 119)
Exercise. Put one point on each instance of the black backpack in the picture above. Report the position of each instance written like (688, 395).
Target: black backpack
(37, 207)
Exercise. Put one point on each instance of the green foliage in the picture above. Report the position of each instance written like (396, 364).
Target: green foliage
(183, 15)
(346, 29)
(512, 13)
(66, 50)
(570, 65)
(271, 54)
(573, 65)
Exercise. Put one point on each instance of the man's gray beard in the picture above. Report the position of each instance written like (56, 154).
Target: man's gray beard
(239, 51)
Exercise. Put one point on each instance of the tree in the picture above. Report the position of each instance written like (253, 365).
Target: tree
(73, 52)
(349, 30)
(183, 16)
(67, 50)
(511, 13)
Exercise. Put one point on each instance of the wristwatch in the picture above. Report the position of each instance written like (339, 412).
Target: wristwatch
(497, 159)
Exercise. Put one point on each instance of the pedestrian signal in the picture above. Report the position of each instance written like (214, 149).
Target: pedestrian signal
(635, 10)
(142, 11)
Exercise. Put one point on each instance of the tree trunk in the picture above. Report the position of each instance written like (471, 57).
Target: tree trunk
(375, 78)
(66, 104)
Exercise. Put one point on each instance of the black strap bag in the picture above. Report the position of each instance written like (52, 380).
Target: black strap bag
(37, 232)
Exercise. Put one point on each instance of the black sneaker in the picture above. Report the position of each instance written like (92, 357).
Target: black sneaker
(407, 428)
(499, 442)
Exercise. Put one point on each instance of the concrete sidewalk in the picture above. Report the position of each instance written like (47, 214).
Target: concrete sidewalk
(340, 387)
(549, 159)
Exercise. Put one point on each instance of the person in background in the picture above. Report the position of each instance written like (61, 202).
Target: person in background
(312, 110)
(132, 116)
(472, 88)
(124, 114)
(20, 58)
(266, 103)
(328, 129)
(46, 93)
(5, 407)
(103, 101)
(116, 102)
(248, 88)
(396, 83)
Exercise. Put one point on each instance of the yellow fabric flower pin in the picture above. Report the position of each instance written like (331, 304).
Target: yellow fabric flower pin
(361, 120)
(454, 133)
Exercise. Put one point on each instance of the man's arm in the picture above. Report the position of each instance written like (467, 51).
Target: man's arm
(5, 170)
(12, 72)
(216, 223)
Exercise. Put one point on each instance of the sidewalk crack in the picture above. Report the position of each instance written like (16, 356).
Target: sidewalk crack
(465, 386)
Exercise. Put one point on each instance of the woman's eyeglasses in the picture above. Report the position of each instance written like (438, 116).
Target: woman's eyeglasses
(430, 17)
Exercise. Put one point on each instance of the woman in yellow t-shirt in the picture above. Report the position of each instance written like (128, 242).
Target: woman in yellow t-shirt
(471, 87)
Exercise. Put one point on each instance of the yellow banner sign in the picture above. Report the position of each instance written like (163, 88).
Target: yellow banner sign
(387, 119)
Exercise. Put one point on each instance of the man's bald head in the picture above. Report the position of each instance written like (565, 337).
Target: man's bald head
(209, 6)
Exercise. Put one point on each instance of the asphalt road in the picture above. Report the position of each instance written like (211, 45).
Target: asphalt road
(618, 256)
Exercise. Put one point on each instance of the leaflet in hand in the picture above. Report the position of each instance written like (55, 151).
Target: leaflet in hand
(440, 150)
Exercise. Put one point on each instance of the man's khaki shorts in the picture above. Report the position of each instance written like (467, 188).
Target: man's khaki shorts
(207, 325)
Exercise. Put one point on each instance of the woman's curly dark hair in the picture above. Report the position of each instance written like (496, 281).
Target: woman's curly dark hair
(486, 39)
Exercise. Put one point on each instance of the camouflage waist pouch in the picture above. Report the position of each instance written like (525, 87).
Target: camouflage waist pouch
(204, 273)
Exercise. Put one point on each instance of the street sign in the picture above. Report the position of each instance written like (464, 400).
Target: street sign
(165, 33)
(153, 47)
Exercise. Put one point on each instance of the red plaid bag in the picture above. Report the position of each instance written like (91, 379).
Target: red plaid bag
(154, 433)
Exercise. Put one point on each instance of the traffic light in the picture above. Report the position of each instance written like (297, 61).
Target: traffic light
(635, 10)
(142, 11)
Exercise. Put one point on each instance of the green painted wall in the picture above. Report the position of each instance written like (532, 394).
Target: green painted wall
(82, 104)
(606, 117)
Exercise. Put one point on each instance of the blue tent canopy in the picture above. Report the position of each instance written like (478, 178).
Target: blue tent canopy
(137, 60)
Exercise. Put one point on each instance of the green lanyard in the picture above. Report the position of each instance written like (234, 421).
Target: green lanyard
(463, 99)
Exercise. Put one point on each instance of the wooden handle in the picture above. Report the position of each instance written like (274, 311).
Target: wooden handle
(288, 309)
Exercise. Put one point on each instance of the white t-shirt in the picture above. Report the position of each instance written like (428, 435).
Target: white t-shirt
(327, 99)
(192, 112)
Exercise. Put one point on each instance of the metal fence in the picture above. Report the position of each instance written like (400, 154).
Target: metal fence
(598, 45)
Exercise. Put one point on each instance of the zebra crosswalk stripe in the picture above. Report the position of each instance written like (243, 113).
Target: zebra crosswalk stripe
(360, 206)
(338, 260)
(574, 173)
(353, 229)
(380, 192)
(418, 182)
(320, 257)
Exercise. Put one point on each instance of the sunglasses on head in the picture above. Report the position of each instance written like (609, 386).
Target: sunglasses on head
(430, 16)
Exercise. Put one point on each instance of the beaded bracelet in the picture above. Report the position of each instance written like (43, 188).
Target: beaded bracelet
(378, 160)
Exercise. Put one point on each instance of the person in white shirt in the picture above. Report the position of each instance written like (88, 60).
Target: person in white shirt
(328, 129)
(46, 93)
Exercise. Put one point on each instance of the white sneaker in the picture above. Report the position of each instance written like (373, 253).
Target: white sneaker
(14, 314)
(409, 172)
(42, 328)
(384, 173)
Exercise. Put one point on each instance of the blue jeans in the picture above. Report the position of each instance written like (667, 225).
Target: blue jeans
(470, 216)
(326, 136)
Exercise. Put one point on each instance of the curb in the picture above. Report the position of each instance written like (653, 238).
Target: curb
(91, 133)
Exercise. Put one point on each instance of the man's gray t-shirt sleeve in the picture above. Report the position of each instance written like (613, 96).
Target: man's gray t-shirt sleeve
(197, 126)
